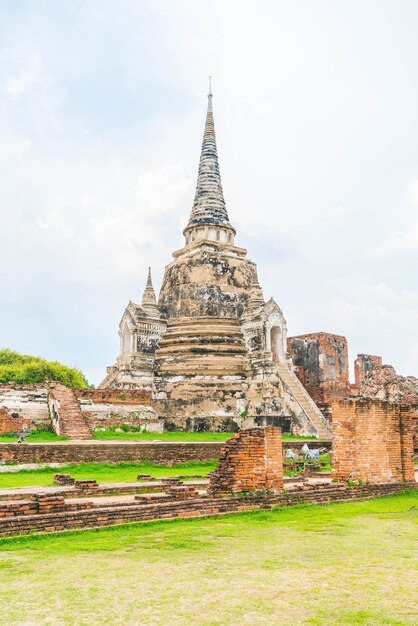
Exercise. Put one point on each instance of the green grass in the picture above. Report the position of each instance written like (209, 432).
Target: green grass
(38, 436)
(168, 436)
(175, 436)
(46, 436)
(341, 564)
(122, 472)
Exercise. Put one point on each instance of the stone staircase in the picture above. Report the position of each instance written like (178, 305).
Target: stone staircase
(305, 401)
(71, 421)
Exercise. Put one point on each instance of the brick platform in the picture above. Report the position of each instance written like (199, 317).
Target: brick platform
(74, 517)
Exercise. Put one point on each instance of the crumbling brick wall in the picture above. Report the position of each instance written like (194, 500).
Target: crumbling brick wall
(363, 365)
(23, 407)
(321, 364)
(11, 422)
(117, 408)
(251, 460)
(382, 382)
(372, 441)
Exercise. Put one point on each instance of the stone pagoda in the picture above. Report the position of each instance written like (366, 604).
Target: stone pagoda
(212, 351)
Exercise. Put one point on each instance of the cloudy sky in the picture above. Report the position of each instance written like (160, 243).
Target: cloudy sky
(102, 106)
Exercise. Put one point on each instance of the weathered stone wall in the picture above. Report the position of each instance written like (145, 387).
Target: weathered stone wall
(321, 364)
(132, 417)
(117, 408)
(121, 397)
(372, 441)
(207, 279)
(23, 407)
(26, 407)
(250, 461)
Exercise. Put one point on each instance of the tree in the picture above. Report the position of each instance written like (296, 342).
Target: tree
(25, 369)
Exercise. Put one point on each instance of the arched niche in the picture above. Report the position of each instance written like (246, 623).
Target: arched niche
(126, 340)
(276, 344)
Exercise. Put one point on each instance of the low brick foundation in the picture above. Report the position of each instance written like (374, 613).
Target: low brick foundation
(83, 518)
(103, 452)
(157, 453)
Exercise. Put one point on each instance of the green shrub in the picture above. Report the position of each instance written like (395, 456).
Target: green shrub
(24, 369)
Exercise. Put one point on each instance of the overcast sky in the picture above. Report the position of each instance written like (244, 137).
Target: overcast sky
(102, 107)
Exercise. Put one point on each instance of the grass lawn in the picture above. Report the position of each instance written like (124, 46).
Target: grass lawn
(347, 563)
(39, 436)
(169, 436)
(122, 472)
(175, 436)
(111, 435)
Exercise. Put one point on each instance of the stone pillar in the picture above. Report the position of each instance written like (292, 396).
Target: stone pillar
(250, 461)
(372, 441)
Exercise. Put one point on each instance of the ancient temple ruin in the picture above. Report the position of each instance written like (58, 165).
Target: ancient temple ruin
(212, 351)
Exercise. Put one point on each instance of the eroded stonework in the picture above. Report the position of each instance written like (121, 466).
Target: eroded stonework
(212, 352)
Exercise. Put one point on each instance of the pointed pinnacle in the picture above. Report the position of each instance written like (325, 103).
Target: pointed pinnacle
(148, 298)
(209, 204)
(149, 280)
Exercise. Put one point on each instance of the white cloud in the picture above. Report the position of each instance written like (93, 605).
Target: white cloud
(102, 112)
(26, 79)
(405, 240)
(15, 147)
(412, 193)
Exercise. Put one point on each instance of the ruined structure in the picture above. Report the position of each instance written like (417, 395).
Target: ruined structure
(321, 363)
(74, 413)
(363, 366)
(212, 352)
(374, 380)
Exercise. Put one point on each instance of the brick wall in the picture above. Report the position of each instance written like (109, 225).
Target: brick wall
(321, 362)
(250, 460)
(136, 452)
(372, 441)
(158, 453)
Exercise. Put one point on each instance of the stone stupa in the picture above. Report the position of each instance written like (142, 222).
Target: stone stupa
(212, 351)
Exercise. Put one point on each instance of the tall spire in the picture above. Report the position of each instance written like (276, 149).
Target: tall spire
(209, 204)
(148, 299)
